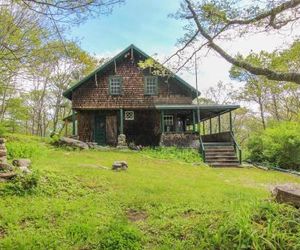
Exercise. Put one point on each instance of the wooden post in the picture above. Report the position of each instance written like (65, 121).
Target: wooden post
(230, 121)
(162, 125)
(203, 124)
(73, 123)
(219, 123)
(194, 121)
(66, 128)
(210, 126)
(121, 122)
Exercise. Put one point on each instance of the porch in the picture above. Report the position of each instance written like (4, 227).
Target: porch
(205, 127)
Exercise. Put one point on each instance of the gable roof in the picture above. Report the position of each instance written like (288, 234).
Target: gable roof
(68, 92)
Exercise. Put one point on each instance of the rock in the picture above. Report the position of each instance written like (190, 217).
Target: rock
(132, 146)
(3, 159)
(5, 167)
(65, 141)
(122, 141)
(2, 140)
(7, 176)
(92, 144)
(288, 193)
(2, 147)
(3, 152)
(119, 165)
(21, 163)
(25, 170)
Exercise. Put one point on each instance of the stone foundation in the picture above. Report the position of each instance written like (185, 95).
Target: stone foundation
(122, 141)
(182, 140)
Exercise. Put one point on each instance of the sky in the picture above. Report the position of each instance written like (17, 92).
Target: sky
(146, 24)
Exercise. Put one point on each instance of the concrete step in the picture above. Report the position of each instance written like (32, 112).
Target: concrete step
(220, 153)
(220, 158)
(217, 144)
(219, 164)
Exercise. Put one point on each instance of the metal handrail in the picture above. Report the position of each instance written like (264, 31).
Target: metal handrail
(237, 147)
(202, 149)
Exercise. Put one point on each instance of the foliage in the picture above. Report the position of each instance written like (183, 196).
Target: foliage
(22, 184)
(278, 145)
(80, 204)
(181, 154)
(21, 146)
(119, 235)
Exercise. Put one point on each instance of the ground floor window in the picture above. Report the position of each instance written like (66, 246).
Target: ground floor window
(169, 123)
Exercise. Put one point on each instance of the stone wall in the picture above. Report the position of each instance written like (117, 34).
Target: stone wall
(184, 140)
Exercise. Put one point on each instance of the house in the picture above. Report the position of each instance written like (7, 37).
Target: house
(120, 103)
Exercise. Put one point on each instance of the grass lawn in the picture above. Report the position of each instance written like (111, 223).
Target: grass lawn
(156, 204)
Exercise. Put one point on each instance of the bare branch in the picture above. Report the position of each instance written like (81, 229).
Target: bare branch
(270, 74)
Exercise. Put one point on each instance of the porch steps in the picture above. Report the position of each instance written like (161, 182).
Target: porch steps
(220, 154)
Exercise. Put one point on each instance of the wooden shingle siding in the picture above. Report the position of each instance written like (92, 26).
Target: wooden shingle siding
(91, 96)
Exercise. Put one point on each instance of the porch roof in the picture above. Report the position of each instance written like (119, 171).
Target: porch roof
(207, 111)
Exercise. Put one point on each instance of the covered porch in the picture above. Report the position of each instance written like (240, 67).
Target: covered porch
(211, 126)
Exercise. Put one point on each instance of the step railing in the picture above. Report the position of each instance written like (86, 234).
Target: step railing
(202, 149)
(237, 148)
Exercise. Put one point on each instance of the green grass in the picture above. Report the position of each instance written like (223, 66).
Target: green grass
(156, 204)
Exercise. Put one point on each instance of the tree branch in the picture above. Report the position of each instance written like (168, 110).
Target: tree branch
(270, 74)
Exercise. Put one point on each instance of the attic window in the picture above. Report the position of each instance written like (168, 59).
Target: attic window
(115, 85)
(150, 85)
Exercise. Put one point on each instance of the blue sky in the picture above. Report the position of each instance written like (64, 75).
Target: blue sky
(144, 23)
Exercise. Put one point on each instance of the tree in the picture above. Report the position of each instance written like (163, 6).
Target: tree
(212, 21)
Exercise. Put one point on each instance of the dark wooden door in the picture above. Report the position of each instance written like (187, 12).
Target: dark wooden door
(111, 129)
(100, 129)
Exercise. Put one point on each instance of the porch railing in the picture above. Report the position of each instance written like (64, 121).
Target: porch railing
(237, 148)
(202, 149)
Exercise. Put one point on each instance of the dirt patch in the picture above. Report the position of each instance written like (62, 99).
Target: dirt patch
(136, 215)
(190, 213)
(3, 232)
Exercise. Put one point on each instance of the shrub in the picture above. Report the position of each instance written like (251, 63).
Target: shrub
(22, 149)
(120, 235)
(183, 154)
(279, 145)
(22, 184)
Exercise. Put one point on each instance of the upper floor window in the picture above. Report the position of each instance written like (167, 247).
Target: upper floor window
(150, 85)
(115, 85)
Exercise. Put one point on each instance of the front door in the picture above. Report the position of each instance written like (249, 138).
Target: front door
(100, 129)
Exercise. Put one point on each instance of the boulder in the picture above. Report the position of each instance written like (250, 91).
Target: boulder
(8, 176)
(5, 167)
(3, 159)
(288, 193)
(119, 165)
(21, 163)
(25, 170)
(2, 140)
(65, 141)
(3, 152)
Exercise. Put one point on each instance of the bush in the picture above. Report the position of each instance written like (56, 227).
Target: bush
(22, 184)
(279, 145)
(120, 235)
(22, 149)
(183, 154)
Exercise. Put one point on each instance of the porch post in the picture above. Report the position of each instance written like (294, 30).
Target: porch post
(73, 123)
(230, 121)
(219, 122)
(210, 126)
(162, 124)
(121, 122)
(203, 125)
(66, 128)
(194, 121)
